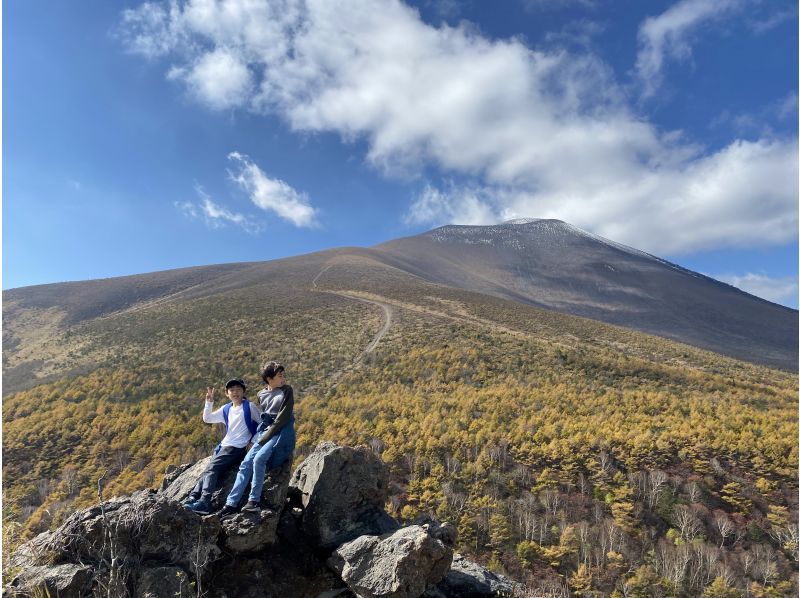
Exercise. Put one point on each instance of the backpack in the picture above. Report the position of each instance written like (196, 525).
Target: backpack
(248, 420)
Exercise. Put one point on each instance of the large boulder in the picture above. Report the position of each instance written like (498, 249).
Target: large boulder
(122, 535)
(398, 565)
(467, 579)
(343, 491)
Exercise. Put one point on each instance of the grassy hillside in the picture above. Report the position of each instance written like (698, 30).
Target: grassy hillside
(572, 455)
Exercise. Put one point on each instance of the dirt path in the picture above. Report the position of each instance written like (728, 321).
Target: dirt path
(388, 313)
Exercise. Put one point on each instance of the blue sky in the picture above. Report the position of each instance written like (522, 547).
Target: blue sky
(147, 136)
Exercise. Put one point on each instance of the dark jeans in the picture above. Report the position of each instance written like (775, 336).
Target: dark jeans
(227, 458)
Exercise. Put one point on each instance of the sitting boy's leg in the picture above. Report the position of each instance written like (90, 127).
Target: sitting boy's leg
(197, 491)
(260, 461)
(242, 478)
(227, 458)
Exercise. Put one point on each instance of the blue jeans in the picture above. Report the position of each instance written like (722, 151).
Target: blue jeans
(260, 458)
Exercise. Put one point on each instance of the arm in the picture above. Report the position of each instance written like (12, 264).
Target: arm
(283, 417)
(255, 411)
(209, 416)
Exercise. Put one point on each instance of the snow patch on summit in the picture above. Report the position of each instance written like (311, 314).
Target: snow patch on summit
(526, 234)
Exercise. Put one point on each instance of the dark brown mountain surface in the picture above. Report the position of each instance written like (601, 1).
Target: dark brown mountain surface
(552, 264)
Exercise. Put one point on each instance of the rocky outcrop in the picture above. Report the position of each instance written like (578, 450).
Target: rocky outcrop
(467, 579)
(342, 491)
(398, 565)
(108, 543)
(147, 545)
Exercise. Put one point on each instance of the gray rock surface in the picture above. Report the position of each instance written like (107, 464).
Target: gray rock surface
(467, 579)
(177, 487)
(164, 582)
(67, 580)
(343, 491)
(250, 532)
(398, 565)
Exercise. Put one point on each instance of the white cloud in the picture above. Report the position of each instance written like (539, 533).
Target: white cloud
(787, 107)
(767, 22)
(455, 206)
(541, 133)
(550, 5)
(578, 33)
(273, 195)
(214, 215)
(669, 35)
(219, 79)
(188, 208)
(778, 290)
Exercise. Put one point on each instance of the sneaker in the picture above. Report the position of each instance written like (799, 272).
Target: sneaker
(252, 507)
(226, 511)
(200, 507)
(190, 499)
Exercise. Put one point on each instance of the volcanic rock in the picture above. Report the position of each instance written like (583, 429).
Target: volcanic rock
(342, 491)
(398, 565)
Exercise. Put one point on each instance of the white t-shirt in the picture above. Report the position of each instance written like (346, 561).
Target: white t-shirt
(238, 435)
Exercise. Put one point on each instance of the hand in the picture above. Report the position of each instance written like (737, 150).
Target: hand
(209, 395)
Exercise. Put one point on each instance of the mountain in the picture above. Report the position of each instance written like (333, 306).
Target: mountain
(543, 263)
(552, 264)
(545, 438)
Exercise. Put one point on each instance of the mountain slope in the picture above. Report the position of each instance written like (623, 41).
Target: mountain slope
(549, 263)
(543, 436)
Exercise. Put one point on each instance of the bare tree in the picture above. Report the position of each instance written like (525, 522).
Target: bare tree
(376, 445)
(116, 576)
(583, 532)
(656, 482)
(43, 489)
(199, 560)
(724, 525)
(121, 459)
(688, 524)
(550, 500)
(451, 464)
(605, 463)
(583, 484)
(69, 477)
(411, 464)
(695, 493)
(765, 565)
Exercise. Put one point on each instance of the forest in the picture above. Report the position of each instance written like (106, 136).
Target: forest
(576, 457)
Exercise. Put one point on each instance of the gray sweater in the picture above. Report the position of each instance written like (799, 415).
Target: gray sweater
(278, 404)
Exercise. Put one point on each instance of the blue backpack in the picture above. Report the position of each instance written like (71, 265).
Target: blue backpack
(251, 425)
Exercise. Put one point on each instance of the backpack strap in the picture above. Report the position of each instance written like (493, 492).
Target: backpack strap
(248, 420)
(225, 411)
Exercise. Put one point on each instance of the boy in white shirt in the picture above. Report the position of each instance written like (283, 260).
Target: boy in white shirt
(241, 419)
